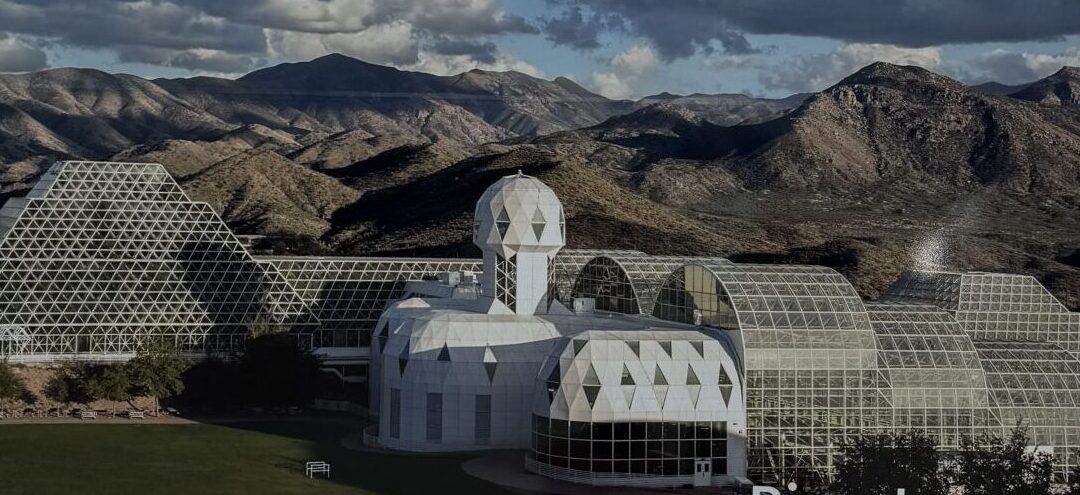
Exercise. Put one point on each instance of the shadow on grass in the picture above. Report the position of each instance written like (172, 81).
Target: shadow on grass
(375, 472)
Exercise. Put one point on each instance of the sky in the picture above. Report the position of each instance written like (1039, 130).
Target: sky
(618, 48)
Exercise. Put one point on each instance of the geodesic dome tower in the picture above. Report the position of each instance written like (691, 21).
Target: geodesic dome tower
(519, 225)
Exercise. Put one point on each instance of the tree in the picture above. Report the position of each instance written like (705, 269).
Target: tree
(11, 384)
(59, 390)
(109, 382)
(1074, 480)
(879, 464)
(157, 371)
(274, 370)
(1004, 467)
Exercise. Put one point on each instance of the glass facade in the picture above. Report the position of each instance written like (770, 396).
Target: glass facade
(936, 381)
(100, 256)
(811, 364)
(655, 448)
(1036, 384)
(620, 281)
(348, 295)
(994, 306)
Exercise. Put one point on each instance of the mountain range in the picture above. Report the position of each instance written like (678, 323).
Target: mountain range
(891, 168)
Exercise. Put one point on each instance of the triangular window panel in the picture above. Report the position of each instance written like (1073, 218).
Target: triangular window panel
(403, 358)
(635, 347)
(591, 392)
(538, 224)
(658, 377)
(698, 346)
(627, 379)
(666, 346)
(490, 369)
(723, 378)
(553, 381)
(579, 345)
(691, 377)
(502, 223)
(444, 354)
(538, 230)
(725, 390)
(591, 378)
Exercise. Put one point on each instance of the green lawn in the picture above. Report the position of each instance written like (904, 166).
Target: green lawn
(257, 458)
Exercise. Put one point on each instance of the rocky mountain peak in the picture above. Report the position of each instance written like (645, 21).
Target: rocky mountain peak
(656, 116)
(898, 76)
(1068, 71)
(1060, 88)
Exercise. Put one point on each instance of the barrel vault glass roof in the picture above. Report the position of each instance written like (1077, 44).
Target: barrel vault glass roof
(812, 373)
(623, 282)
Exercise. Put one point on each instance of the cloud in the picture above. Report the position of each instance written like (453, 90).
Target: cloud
(480, 51)
(456, 17)
(16, 55)
(113, 23)
(396, 43)
(1019, 67)
(579, 29)
(435, 63)
(195, 59)
(682, 28)
(818, 71)
(623, 71)
(235, 36)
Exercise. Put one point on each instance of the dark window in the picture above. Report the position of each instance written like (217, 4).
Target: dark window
(434, 418)
(483, 419)
(395, 413)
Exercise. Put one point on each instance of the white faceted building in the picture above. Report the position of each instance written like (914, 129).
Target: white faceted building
(600, 398)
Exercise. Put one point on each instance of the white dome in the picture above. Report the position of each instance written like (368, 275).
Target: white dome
(519, 214)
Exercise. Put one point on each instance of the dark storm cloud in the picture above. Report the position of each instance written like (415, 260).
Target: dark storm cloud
(195, 60)
(481, 51)
(234, 35)
(680, 28)
(19, 56)
(107, 23)
(578, 29)
(455, 17)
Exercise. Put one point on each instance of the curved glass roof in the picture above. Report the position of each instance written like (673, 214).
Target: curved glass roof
(810, 354)
(629, 283)
(569, 262)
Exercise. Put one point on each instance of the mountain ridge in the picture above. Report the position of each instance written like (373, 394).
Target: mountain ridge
(860, 176)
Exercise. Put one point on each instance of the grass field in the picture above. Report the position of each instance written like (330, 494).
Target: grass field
(257, 458)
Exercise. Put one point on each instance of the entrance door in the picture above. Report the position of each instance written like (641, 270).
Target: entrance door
(702, 472)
